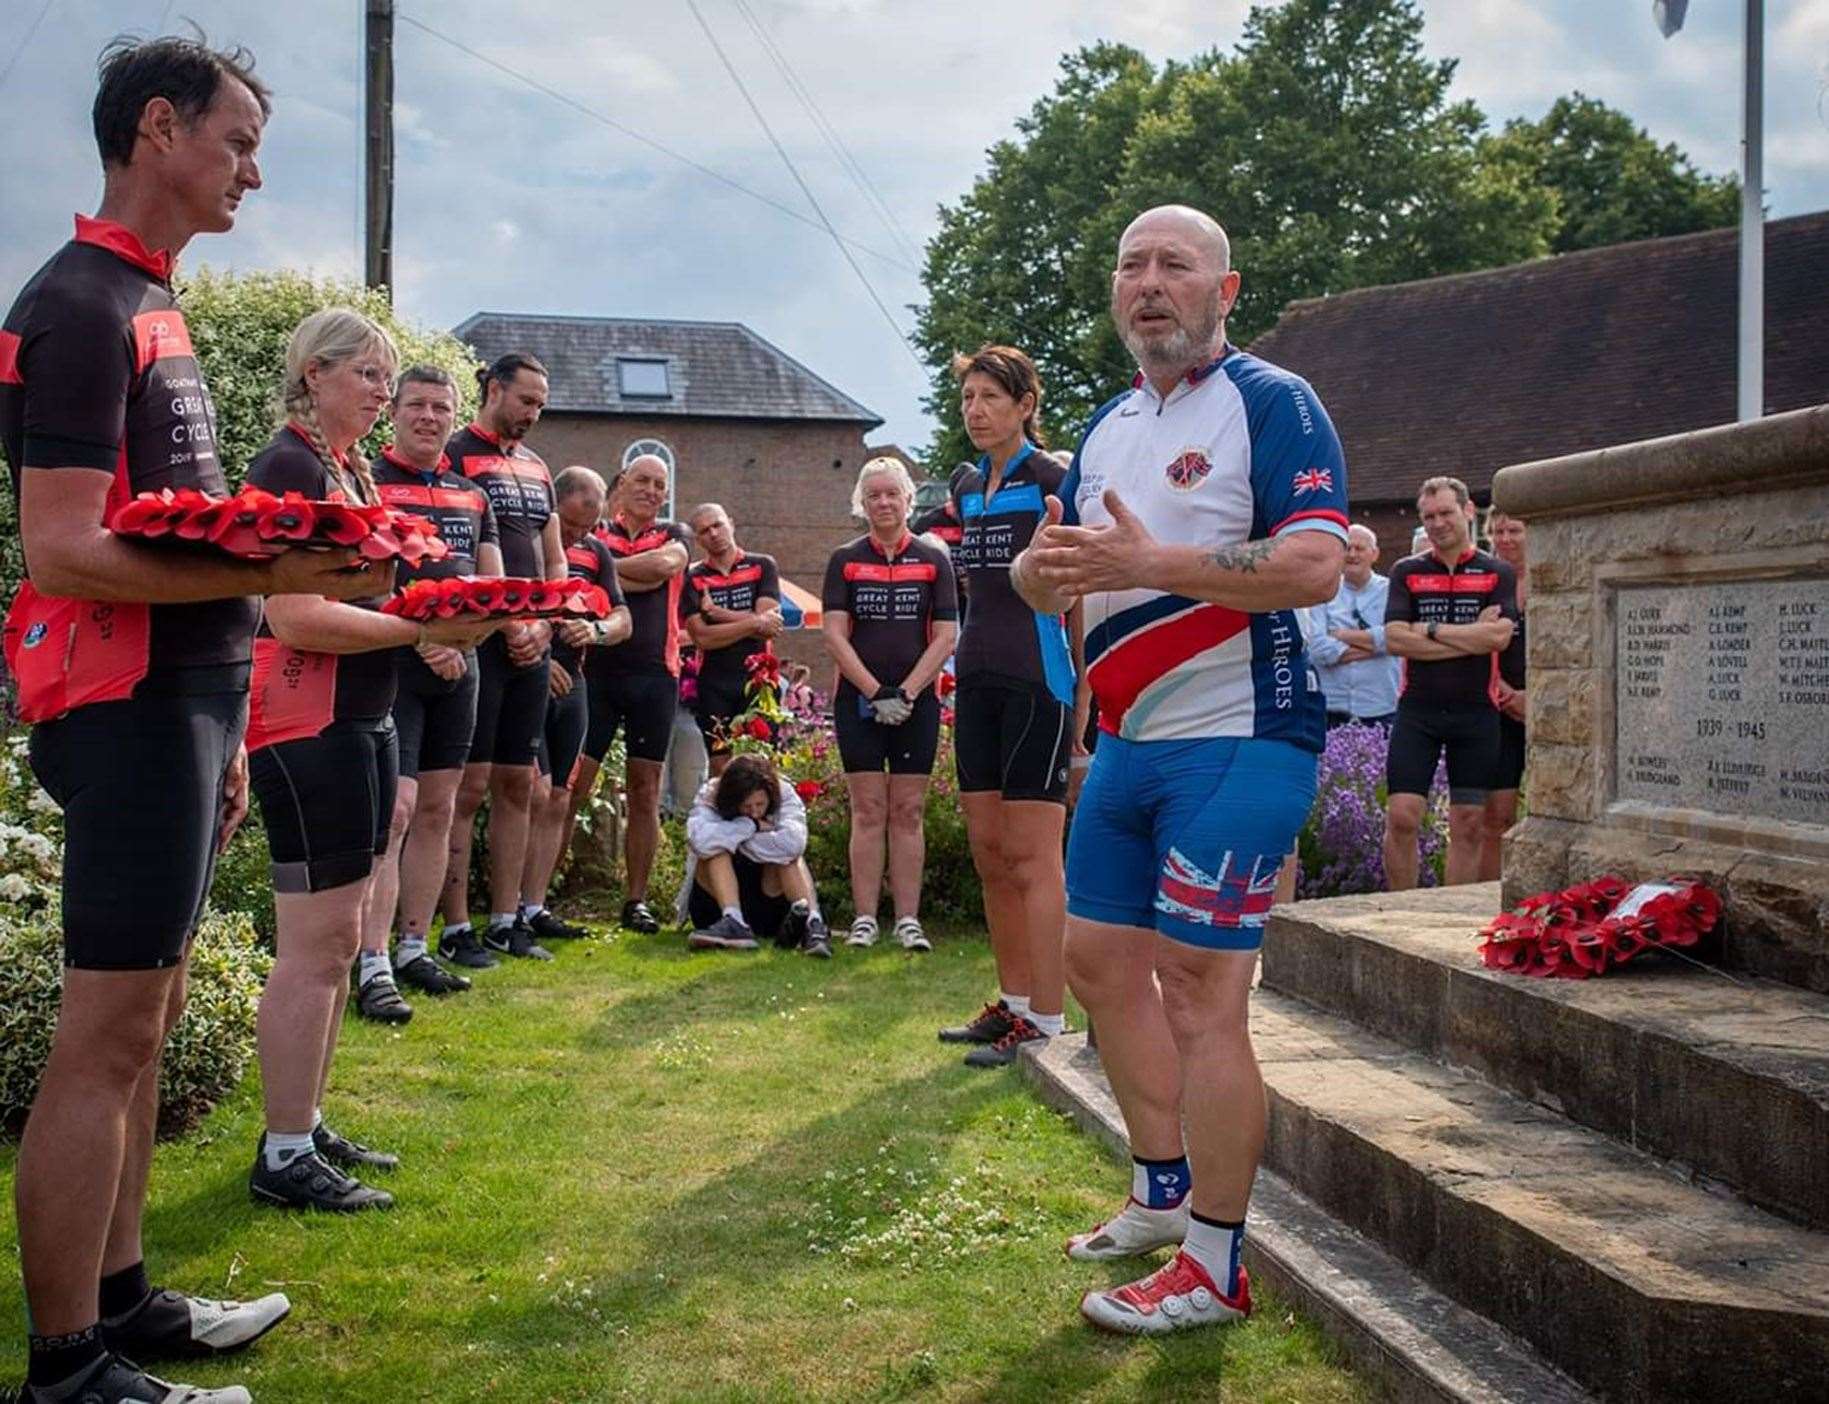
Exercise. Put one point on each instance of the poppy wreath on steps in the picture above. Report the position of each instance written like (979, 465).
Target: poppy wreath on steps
(256, 523)
(497, 597)
(1581, 932)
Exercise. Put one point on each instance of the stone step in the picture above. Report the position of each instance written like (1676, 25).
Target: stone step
(1729, 1078)
(1415, 1344)
(1640, 1284)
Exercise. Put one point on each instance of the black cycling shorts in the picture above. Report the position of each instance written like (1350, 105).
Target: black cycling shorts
(436, 718)
(719, 699)
(764, 914)
(140, 782)
(864, 746)
(1510, 772)
(567, 719)
(1012, 737)
(510, 707)
(642, 704)
(327, 801)
(1421, 732)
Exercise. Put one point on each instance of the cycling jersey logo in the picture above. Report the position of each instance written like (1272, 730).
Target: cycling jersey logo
(35, 635)
(1189, 470)
(1313, 480)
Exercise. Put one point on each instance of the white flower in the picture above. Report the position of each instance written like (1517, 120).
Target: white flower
(14, 888)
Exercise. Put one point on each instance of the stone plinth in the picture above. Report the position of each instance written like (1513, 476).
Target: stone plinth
(1679, 677)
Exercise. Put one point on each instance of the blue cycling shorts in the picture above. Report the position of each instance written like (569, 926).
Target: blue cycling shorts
(1186, 837)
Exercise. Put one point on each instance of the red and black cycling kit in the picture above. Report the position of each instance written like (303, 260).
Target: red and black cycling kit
(298, 692)
(893, 599)
(511, 701)
(1447, 703)
(568, 717)
(96, 371)
(436, 717)
(635, 684)
(323, 759)
(520, 489)
(1510, 772)
(140, 707)
(589, 559)
(723, 676)
(1015, 668)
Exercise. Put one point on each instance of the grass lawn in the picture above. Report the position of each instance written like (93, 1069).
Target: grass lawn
(640, 1173)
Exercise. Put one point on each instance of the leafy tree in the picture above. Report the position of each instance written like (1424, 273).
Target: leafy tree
(1328, 145)
(1612, 182)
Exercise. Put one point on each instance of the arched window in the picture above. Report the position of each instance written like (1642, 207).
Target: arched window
(665, 455)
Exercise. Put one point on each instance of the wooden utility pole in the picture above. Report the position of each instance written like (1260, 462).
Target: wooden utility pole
(378, 262)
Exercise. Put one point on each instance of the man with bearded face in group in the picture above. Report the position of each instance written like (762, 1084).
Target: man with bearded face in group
(1204, 506)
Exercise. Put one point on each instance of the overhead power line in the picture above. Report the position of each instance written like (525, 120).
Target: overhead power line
(799, 180)
(30, 34)
(630, 132)
(846, 161)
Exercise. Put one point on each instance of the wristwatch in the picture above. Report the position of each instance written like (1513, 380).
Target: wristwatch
(1430, 631)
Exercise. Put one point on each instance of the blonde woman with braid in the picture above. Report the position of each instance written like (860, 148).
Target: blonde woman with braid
(323, 761)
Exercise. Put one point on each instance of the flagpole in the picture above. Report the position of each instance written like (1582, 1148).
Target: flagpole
(1752, 218)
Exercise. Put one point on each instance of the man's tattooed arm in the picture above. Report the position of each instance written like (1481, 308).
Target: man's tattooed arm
(1243, 558)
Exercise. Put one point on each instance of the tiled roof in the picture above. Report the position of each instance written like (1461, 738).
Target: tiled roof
(714, 369)
(1465, 374)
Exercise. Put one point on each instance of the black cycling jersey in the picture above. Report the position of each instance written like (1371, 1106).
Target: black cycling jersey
(892, 598)
(459, 508)
(588, 559)
(752, 576)
(1003, 637)
(1511, 662)
(1425, 590)
(97, 371)
(941, 521)
(520, 489)
(654, 646)
(298, 692)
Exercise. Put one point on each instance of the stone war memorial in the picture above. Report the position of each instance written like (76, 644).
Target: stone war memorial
(1491, 1187)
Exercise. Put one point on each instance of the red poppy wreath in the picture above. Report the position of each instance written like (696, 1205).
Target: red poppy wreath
(494, 597)
(1596, 926)
(256, 523)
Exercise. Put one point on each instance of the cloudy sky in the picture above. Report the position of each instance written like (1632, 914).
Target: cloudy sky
(510, 200)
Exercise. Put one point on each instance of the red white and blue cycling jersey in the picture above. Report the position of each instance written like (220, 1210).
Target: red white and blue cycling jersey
(1239, 450)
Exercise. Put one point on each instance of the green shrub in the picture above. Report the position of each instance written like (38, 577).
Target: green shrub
(206, 1054)
(244, 877)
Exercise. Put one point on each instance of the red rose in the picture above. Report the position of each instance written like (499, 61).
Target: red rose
(946, 716)
(809, 790)
(945, 685)
(759, 728)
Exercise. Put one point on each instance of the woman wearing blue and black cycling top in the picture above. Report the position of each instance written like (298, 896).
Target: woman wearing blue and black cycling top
(1013, 730)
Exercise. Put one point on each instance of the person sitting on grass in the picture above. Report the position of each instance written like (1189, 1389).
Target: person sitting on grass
(746, 871)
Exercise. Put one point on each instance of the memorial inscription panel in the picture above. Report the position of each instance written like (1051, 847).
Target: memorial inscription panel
(1721, 696)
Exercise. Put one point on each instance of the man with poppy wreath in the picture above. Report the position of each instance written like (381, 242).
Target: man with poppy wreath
(133, 662)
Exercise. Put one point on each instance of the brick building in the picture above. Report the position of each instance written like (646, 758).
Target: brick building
(1464, 374)
(742, 422)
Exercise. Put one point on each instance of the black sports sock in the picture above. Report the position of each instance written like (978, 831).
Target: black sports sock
(124, 1290)
(54, 1359)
